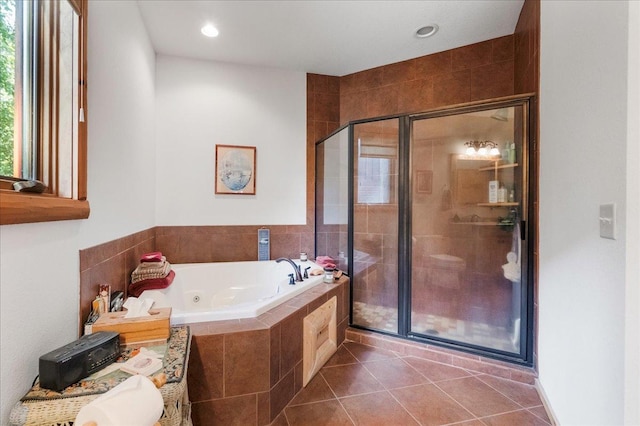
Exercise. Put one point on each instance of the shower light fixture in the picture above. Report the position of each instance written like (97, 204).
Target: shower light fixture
(427, 31)
(209, 30)
(482, 149)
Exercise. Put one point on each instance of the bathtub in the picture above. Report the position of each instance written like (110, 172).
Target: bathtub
(229, 290)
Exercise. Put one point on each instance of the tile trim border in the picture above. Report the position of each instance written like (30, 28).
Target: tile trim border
(445, 356)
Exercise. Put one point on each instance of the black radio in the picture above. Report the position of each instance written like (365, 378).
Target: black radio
(75, 361)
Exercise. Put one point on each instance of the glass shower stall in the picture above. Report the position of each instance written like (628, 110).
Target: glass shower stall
(429, 215)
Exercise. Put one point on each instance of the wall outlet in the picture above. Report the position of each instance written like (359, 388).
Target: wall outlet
(608, 221)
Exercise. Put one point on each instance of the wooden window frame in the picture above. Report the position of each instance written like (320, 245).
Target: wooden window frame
(19, 207)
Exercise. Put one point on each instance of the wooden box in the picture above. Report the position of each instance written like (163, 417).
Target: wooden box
(153, 329)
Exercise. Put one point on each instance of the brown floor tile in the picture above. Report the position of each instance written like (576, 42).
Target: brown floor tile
(358, 374)
(281, 420)
(316, 390)
(430, 405)
(477, 397)
(366, 410)
(350, 379)
(541, 412)
(368, 353)
(329, 413)
(525, 395)
(435, 371)
(520, 418)
(341, 357)
(395, 373)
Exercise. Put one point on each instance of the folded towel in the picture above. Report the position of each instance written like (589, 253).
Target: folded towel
(155, 256)
(325, 261)
(153, 265)
(144, 273)
(135, 289)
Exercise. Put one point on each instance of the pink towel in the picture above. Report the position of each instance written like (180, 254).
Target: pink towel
(325, 262)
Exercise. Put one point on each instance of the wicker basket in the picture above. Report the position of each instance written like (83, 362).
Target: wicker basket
(63, 411)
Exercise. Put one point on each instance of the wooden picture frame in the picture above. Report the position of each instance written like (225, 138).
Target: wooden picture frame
(235, 170)
(424, 181)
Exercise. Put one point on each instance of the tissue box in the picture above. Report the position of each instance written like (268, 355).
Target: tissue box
(148, 330)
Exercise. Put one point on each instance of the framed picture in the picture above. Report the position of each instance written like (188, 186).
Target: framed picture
(235, 169)
(424, 181)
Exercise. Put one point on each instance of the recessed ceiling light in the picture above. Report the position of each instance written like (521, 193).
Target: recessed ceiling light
(427, 31)
(209, 30)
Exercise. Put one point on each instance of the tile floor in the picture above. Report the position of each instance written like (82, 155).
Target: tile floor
(363, 385)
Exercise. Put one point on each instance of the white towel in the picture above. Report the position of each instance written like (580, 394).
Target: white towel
(512, 269)
(134, 402)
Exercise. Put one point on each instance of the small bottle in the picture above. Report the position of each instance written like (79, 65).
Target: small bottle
(512, 196)
(505, 152)
(303, 257)
(502, 195)
(328, 276)
(512, 153)
(493, 191)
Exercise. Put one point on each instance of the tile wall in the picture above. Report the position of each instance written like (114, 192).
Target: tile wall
(110, 263)
(186, 244)
(323, 117)
(479, 71)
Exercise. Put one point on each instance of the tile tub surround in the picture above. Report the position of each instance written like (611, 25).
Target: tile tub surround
(187, 244)
(112, 262)
(246, 371)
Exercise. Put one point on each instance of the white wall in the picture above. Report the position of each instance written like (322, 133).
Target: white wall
(583, 148)
(121, 142)
(201, 104)
(40, 269)
(632, 329)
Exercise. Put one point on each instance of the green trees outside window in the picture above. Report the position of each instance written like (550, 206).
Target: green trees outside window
(7, 84)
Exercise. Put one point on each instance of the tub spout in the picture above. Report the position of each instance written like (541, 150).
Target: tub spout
(296, 268)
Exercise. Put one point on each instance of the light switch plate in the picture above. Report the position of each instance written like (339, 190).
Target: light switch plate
(608, 221)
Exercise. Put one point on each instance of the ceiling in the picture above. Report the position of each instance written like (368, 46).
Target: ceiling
(324, 37)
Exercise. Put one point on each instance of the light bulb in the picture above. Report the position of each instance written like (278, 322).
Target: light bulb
(482, 151)
(494, 152)
(470, 151)
(209, 30)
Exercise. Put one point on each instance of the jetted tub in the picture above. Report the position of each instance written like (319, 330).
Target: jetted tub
(229, 290)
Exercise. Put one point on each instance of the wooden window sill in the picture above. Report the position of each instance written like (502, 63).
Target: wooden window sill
(18, 207)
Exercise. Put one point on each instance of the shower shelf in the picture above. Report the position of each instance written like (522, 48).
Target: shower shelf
(499, 166)
(476, 223)
(498, 204)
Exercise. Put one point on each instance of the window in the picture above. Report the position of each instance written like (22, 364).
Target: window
(42, 114)
(375, 170)
(373, 180)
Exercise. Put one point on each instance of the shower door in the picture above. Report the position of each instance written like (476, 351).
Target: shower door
(375, 224)
(428, 215)
(468, 203)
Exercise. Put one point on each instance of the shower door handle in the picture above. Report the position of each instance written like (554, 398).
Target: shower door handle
(523, 229)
